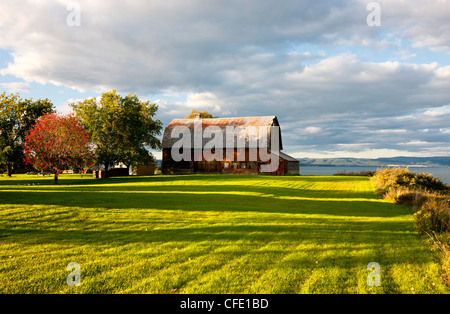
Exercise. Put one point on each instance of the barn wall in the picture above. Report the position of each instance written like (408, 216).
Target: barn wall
(169, 166)
(293, 167)
(281, 171)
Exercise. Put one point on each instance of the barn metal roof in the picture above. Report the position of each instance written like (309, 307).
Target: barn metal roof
(287, 157)
(241, 122)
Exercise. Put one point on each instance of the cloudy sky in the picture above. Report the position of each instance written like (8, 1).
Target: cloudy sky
(339, 87)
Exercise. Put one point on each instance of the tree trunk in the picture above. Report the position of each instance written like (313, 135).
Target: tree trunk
(106, 171)
(8, 170)
(56, 178)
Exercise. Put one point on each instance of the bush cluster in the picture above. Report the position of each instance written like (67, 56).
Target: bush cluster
(428, 198)
(364, 173)
(434, 215)
(397, 178)
(426, 195)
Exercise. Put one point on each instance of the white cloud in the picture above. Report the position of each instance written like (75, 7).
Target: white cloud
(313, 130)
(417, 143)
(15, 87)
(423, 22)
(203, 101)
(391, 131)
(435, 113)
(370, 153)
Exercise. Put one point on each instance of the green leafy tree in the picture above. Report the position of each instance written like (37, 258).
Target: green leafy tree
(122, 128)
(17, 116)
(203, 115)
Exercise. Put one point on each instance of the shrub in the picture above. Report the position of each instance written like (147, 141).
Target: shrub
(386, 179)
(365, 173)
(425, 194)
(434, 216)
(429, 198)
(407, 196)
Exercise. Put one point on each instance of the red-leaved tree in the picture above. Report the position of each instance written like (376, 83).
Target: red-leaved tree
(57, 142)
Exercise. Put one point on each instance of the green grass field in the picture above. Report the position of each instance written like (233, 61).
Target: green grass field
(208, 234)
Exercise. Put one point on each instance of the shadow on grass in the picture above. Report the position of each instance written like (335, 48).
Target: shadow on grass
(75, 179)
(344, 241)
(203, 188)
(210, 201)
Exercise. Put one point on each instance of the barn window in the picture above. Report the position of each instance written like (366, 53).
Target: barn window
(243, 165)
(235, 165)
(226, 165)
(251, 165)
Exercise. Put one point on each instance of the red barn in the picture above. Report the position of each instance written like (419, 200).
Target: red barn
(240, 155)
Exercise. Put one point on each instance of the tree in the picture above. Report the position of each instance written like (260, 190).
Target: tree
(58, 142)
(203, 115)
(122, 128)
(17, 116)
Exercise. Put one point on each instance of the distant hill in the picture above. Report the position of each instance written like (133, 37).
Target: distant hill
(379, 162)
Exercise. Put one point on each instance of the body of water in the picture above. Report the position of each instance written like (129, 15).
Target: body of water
(442, 173)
